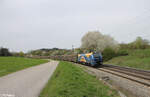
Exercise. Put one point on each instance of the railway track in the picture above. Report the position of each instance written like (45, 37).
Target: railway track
(135, 75)
(139, 76)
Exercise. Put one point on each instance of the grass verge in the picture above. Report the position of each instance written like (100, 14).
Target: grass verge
(13, 64)
(136, 59)
(71, 81)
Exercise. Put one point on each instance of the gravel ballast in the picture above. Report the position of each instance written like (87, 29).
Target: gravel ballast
(128, 87)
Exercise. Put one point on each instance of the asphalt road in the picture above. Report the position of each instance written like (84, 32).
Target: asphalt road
(28, 82)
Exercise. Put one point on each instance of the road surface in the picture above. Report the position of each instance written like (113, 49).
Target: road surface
(28, 82)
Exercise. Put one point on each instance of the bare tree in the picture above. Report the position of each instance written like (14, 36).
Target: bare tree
(98, 42)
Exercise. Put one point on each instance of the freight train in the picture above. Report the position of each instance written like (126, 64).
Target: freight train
(90, 59)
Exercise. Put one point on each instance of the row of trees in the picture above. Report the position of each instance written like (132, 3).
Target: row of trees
(51, 52)
(98, 42)
(6, 52)
(95, 41)
(139, 43)
(90, 42)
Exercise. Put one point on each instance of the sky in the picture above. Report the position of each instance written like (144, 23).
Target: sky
(33, 24)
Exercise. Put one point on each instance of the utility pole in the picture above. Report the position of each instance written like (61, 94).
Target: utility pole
(73, 48)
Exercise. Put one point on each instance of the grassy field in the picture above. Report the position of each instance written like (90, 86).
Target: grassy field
(12, 64)
(71, 81)
(137, 59)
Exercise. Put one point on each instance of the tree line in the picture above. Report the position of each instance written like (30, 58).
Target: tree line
(6, 52)
(97, 42)
(93, 41)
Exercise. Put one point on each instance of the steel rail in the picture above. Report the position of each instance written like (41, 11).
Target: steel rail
(134, 80)
(130, 73)
(140, 74)
(128, 68)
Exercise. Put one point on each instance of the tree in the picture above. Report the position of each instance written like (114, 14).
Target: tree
(21, 54)
(95, 41)
(4, 52)
(139, 43)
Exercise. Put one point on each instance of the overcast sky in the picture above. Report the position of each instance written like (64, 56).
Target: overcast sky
(32, 24)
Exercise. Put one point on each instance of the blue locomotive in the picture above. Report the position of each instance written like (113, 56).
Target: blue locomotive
(92, 59)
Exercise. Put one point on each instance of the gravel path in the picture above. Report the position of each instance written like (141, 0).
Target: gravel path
(28, 82)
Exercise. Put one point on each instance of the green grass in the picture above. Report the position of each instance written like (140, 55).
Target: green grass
(137, 59)
(13, 64)
(72, 81)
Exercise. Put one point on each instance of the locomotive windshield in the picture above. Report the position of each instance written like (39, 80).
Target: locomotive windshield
(96, 55)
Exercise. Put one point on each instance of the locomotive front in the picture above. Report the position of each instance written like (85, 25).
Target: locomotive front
(92, 59)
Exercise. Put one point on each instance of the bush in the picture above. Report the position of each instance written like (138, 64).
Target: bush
(122, 53)
(108, 53)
